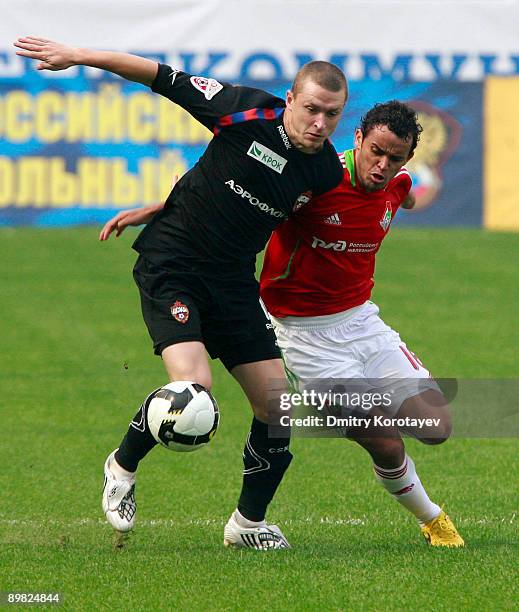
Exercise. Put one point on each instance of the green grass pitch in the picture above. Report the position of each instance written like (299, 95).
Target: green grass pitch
(76, 363)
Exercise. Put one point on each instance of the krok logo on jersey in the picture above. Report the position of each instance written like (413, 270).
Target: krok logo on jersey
(267, 157)
(180, 312)
(209, 87)
(385, 222)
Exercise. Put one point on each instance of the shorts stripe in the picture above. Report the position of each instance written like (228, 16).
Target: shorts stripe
(410, 358)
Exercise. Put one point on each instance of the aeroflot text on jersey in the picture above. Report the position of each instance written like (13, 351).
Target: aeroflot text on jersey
(254, 201)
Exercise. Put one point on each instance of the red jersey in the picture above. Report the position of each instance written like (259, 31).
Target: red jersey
(322, 259)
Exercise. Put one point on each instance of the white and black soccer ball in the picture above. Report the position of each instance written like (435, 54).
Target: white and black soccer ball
(182, 416)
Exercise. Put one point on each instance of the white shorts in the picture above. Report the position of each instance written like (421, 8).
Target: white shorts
(354, 345)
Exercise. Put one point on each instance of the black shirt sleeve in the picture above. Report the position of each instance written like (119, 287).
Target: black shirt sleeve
(206, 99)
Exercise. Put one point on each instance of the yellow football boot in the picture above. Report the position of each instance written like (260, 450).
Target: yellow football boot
(441, 532)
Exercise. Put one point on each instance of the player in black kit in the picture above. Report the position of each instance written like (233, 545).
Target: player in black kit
(195, 270)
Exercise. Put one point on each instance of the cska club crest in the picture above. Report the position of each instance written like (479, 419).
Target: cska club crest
(385, 222)
(180, 312)
(303, 199)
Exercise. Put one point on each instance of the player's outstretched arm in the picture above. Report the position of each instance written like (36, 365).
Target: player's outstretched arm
(56, 56)
(134, 216)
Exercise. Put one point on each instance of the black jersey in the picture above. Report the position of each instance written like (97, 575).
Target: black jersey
(248, 181)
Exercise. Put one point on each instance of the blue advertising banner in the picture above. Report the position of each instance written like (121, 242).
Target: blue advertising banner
(77, 148)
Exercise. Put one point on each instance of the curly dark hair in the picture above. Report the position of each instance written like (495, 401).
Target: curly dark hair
(400, 118)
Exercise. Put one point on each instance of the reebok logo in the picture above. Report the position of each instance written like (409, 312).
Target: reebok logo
(284, 137)
(267, 157)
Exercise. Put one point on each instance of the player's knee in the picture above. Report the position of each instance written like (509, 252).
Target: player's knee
(268, 409)
(201, 377)
(187, 361)
(389, 452)
(386, 452)
(193, 372)
(429, 415)
(442, 429)
(264, 413)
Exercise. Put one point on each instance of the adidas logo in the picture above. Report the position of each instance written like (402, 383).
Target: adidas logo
(333, 219)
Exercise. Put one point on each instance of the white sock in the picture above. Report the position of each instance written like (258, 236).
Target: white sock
(119, 472)
(244, 522)
(405, 486)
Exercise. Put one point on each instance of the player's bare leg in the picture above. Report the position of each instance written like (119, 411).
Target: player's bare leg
(183, 361)
(265, 459)
(187, 361)
(396, 472)
(431, 404)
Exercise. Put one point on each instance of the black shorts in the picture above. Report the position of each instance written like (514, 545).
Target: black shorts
(221, 310)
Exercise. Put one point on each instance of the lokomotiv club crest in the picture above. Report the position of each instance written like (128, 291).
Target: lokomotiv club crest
(385, 222)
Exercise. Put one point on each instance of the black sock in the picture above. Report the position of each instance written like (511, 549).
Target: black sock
(265, 461)
(137, 442)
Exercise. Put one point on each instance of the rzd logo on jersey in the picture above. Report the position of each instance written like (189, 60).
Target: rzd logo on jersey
(180, 312)
(385, 222)
(340, 245)
(209, 87)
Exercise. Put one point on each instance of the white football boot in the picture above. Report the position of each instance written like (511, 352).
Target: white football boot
(266, 537)
(119, 499)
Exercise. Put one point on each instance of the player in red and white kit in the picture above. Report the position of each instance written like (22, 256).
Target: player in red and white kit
(316, 283)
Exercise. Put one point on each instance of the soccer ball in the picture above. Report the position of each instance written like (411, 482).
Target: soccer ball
(182, 416)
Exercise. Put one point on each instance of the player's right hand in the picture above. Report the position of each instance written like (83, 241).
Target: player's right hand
(52, 55)
(134, 216)
(122, 220)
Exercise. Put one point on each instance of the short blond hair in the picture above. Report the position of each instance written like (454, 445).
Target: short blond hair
(326, 75)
